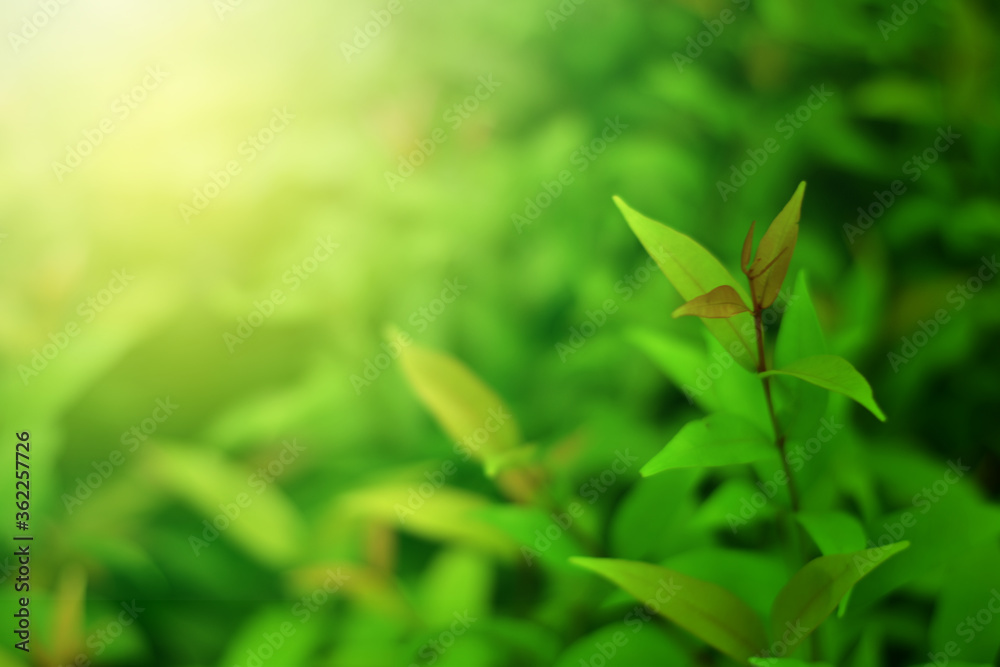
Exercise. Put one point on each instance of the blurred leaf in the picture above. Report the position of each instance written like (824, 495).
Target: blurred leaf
(681, 361)
(833, 373)
(665, 501)
(706, 610)
(972, 586)
(833, 532)
(720, 439)
(723, 301)
(461, 403)
(446, 514)
(457, 579)
(816, 589)
(266, 524)
(624, 643)
(694, 271)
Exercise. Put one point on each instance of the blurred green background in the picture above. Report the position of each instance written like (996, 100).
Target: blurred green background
(247, 166)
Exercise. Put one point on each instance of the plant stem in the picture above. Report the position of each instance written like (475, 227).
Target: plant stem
(779, 437)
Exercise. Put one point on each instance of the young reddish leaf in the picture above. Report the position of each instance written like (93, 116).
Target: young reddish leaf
(747, 249)
(694, 271)
(814, 591)
(721, 302)
(706, 610)
(775, 251)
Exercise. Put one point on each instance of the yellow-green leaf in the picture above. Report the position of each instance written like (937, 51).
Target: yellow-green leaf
(471, 413)
(834, 373)
(774, 253)
(816, 589)
(723, 301)
(704, 609)
(694, 271)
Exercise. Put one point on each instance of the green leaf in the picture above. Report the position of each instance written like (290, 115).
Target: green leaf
(721, 302)
(694, 271)
(834, 373)
(774, 253)
(720, 439)
(814, 591)
(462, 404)
(706, 610)
(834, 533)
(801, 405)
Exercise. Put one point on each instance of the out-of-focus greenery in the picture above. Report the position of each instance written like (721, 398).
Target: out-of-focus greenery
(900, 75)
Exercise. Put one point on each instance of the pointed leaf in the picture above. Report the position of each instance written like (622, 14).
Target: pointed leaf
(720, 439)
(774, 253)
(814, 591)
(706, 610)
(694, 271)
(834, 373)
(461, 402)
(723, 301)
